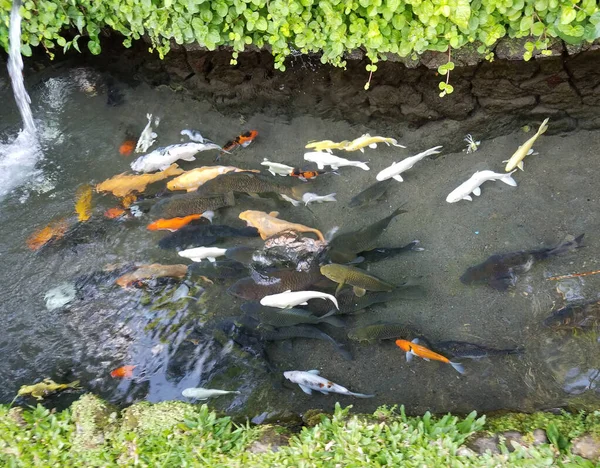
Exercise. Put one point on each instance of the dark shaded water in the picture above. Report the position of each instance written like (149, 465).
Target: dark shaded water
(176, 344)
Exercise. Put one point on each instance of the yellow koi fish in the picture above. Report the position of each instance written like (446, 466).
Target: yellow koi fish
(327, 145)
(45, 388)
(516, 159)
(122, 185)
(371, 141)
(83, 204)
(191, 180)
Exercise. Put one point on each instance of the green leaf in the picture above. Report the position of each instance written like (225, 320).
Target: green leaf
(538, 28)
(461, 14)
(526, 23)
(94, 47)
(567, 15)
(26, 50)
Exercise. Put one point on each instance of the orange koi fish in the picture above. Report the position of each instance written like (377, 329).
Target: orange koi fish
(243, 140)
(172, 224)
(125, 372)
(306, 175)
(114, 213)
(412, 348)
(54, 230)
(83, 204)
(127, 147)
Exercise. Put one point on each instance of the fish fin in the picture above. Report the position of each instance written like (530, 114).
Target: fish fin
(324, 392)
(398, 177)
(360, 395)
(415, 340)
(339, 288)
(363, 166)
(302, 303)
(290, 199)
(477, 191)
(362, 150)
(374, 145)
(426, 359)
(211, 259)
(314, 371)
(467, 197)
(458, 367)
(359, 292)
(189, 158)
(305, 389)
(520, 165)
(409, 356)
(274, 214)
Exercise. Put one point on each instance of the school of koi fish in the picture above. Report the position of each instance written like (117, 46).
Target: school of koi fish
(300, 279)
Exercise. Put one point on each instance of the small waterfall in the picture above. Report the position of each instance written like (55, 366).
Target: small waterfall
(18, 159)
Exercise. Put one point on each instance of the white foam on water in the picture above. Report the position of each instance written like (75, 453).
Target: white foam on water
(18, 158)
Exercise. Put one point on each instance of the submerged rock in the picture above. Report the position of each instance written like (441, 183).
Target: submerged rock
(482, 445)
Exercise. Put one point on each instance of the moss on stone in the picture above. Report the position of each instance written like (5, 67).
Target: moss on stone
(92, 419)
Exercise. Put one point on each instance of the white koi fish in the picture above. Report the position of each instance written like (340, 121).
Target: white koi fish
(463, 191)
(277, 168)
(161, 158)
(198, 254)
(206, 393)
(309, 198)
(311, 380)
(193, 135)
(322, 159)
(371, 141)
(394, 171)
(288, 299)
(148, 136)
(516, 159)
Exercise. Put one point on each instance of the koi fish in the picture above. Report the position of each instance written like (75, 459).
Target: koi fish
(268, 224)
(311, 380)
(309, 198)
(206, 393)
(322, 159)
(193, 135)
(463, 191)
(162, 158)
(198, 254)
(44, 388)
(114, 213)
(156, 270)
(83, 204)
(306, 175)
(54, 230)
(277, 168)
(289, 299)
(173, 224)
(191, 180)
(125, 372)
(148, 136)
(359, 279)
(413, 348)
(327, 145)
(123, 184)
(365, 140)
(394, 171)
(516, 159)
(242, 140)
(127, 147)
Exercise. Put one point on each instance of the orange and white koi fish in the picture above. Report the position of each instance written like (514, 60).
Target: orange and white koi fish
(412, 348)
(242, 140)
(173, 224)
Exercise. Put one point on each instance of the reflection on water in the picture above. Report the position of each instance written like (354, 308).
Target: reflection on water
(190, 332)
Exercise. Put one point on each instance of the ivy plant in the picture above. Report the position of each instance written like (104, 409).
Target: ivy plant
(331, 28)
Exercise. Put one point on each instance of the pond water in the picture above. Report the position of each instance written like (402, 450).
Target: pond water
(179, 343)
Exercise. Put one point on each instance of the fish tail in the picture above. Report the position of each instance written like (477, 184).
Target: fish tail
(363, 166)
(74, 384)
(566, 246)
(397, 211)
(458, 367)
(507, 179)
(518, 350)
(543, 127)
(330, 320)
(318, 233)
(172, 170)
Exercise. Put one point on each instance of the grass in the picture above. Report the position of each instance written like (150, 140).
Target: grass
(92, 434)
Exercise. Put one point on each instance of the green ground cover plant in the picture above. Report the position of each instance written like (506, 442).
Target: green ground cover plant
(328, 27)
(92, 433)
